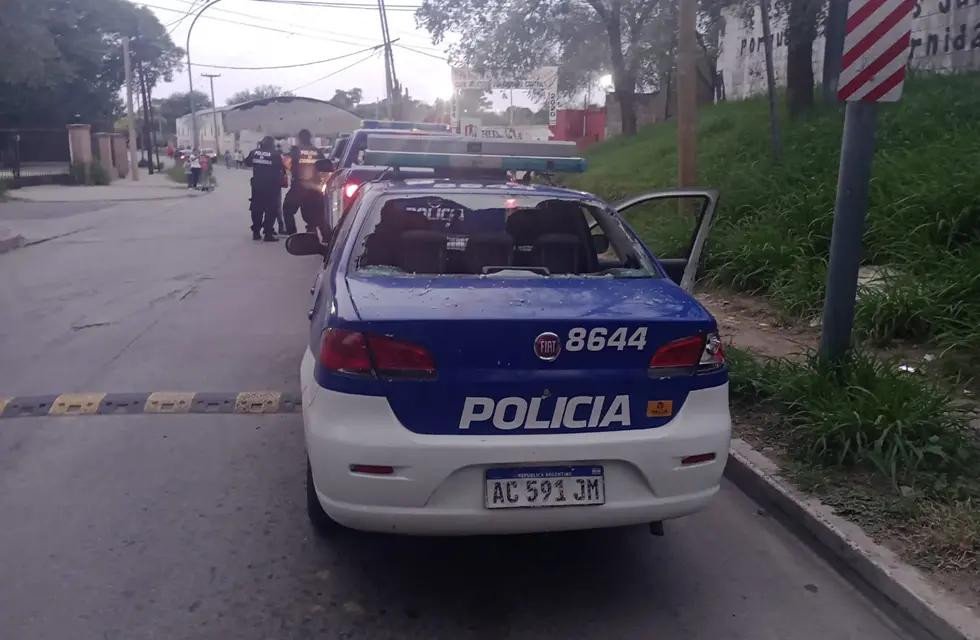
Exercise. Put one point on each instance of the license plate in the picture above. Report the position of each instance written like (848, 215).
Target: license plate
(512, 487)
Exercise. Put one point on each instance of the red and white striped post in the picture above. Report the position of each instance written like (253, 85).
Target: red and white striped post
(876, 51)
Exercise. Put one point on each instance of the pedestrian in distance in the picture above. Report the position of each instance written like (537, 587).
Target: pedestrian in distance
(227, 159)
(267, 168)
(239, 158)
(194, 162)
(305, 194)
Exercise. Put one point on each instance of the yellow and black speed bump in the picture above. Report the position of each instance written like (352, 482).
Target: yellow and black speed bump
(75, 404)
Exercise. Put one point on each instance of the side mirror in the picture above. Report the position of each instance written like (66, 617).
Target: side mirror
(600, 244)
(325, 165)
(305, 244)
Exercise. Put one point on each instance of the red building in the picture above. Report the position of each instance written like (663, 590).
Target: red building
(584, 127)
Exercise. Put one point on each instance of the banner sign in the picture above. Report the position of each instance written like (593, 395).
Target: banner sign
(543, 80)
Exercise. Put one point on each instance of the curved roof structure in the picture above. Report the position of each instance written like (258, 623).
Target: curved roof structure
(283, 116)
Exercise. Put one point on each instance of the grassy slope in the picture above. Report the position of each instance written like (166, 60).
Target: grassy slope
(773, 229)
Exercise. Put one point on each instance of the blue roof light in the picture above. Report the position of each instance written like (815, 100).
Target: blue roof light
(474, 161)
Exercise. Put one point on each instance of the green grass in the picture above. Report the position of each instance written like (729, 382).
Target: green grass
(863, 412)
(176, 173)
(888, 450)
(772, 232)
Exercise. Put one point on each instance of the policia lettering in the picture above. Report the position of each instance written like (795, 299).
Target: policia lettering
(577, 412)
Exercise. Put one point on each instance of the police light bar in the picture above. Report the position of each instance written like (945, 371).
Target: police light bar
(460, 144)
(407, 126)
(473, 161)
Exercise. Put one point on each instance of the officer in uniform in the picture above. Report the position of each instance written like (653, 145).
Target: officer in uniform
(267, 168)
(304, 192)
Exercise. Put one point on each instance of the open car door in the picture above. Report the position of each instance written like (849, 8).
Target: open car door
(674, 224)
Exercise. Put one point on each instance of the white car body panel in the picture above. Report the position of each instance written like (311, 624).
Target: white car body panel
(437, 487)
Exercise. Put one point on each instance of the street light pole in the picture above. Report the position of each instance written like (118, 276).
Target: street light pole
(214, 110)
(190, 73)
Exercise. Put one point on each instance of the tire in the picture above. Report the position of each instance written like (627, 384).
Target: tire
(322, 523)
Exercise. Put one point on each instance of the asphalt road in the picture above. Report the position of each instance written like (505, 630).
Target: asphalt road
(193, 526)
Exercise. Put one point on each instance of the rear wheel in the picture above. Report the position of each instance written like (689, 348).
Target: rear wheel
(322, 523)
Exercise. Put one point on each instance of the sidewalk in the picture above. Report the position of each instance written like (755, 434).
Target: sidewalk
(156, 187)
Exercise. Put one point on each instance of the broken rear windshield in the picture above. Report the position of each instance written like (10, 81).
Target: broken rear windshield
(487, 234)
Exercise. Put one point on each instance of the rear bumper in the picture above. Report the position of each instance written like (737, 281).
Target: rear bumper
(438, 484)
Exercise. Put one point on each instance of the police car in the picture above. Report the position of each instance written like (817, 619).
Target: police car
(488, 356)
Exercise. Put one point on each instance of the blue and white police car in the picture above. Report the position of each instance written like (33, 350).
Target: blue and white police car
(489, 356)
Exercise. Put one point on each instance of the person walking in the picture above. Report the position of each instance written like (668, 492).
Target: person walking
(239, 158)
(305, 194)
(194, 161)
(227, 159)
(267, 168)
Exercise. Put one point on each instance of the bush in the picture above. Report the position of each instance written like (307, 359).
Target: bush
(98, 174)
(89, 174)
(862, 412)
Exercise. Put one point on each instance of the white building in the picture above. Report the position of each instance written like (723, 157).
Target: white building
(945, 37)
(241, 126)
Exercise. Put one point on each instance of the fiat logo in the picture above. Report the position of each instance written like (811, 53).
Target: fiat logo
(547, 346)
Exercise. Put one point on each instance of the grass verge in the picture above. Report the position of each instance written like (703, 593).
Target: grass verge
(772, 232)
(176, 173)
(888, 450)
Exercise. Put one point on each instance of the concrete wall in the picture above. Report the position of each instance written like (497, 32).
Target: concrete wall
(945, 36)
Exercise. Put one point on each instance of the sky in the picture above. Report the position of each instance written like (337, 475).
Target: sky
(267, 32)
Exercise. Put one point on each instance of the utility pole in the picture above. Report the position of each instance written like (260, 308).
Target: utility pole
(147, 142)
(130, 122)
(391, 83)
(214, 110)
(775, 135)
(687, 100)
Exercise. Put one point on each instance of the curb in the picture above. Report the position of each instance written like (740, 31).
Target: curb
(10, 241)
(902, 585)
(112, 200)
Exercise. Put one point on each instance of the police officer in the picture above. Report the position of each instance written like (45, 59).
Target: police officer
(304, 192)
(267, 168)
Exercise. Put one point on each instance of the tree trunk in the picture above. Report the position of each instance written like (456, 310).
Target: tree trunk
(623, 81)
(775, 135)
(627, 110)
(833, 48)
(799, 55)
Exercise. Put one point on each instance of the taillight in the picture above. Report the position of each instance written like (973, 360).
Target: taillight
(345, 352)
(396, 358)
(350, 189)
(687, 356)
(354, 352)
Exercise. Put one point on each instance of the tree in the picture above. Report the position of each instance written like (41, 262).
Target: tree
(801, 32)
(178, 104)
(63, 59)
(258, 93)
(584, 36)
(347, 99)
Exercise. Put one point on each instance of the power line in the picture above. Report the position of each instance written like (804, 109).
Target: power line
(343, 5)
(333, 73)
(422, 53)
(255, 26)
(281, 22)
(291, 66)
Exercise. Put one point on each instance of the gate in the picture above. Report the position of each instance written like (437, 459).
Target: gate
(34, 156)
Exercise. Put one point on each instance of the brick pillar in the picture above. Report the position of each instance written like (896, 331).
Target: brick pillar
(104, 140)
(120, 154)
(80, 143)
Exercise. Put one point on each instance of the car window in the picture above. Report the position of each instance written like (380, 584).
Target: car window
(484, 234)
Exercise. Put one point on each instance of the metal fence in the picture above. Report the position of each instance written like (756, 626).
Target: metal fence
(28, 155)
